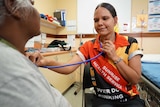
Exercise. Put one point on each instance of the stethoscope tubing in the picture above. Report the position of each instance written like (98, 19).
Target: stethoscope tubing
(88, 60)
(78, 63)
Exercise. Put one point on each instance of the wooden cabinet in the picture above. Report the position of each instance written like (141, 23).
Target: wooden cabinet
(59, 81)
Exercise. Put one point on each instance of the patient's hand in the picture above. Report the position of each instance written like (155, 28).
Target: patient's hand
(36, 58)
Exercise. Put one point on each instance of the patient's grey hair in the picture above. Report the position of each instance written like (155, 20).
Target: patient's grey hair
(23, 5)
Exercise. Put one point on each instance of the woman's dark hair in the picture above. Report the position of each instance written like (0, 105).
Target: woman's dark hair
(109, 7)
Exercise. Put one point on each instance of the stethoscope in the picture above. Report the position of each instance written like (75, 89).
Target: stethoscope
(88, 60)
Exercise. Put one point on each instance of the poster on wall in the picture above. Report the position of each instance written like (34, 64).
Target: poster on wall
(154, 23)
(154, 15)
(142, 20)
(154, 7)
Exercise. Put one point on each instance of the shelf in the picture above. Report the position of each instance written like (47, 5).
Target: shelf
(49, 27)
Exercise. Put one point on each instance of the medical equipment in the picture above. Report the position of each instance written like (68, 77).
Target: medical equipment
(74, 63)
(77, 62)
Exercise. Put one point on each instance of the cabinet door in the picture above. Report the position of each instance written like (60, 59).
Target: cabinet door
(78, 73)
(60, 81)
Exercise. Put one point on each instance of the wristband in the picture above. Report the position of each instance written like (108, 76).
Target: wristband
(119, 60)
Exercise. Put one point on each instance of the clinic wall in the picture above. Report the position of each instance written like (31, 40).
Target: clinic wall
(70, 6)
(85, 14)
(149, 44)
(73, 8)
(138, 7)
(45, 7)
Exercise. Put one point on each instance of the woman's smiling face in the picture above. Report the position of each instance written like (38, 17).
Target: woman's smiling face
(104, 22)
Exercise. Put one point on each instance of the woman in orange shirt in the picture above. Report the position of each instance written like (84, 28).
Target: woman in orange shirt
(117, 70)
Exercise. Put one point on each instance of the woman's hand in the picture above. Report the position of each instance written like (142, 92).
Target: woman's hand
(37, 58)
(109, 48)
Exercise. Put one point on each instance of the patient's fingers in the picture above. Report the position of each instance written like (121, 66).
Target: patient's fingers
(34, 57)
